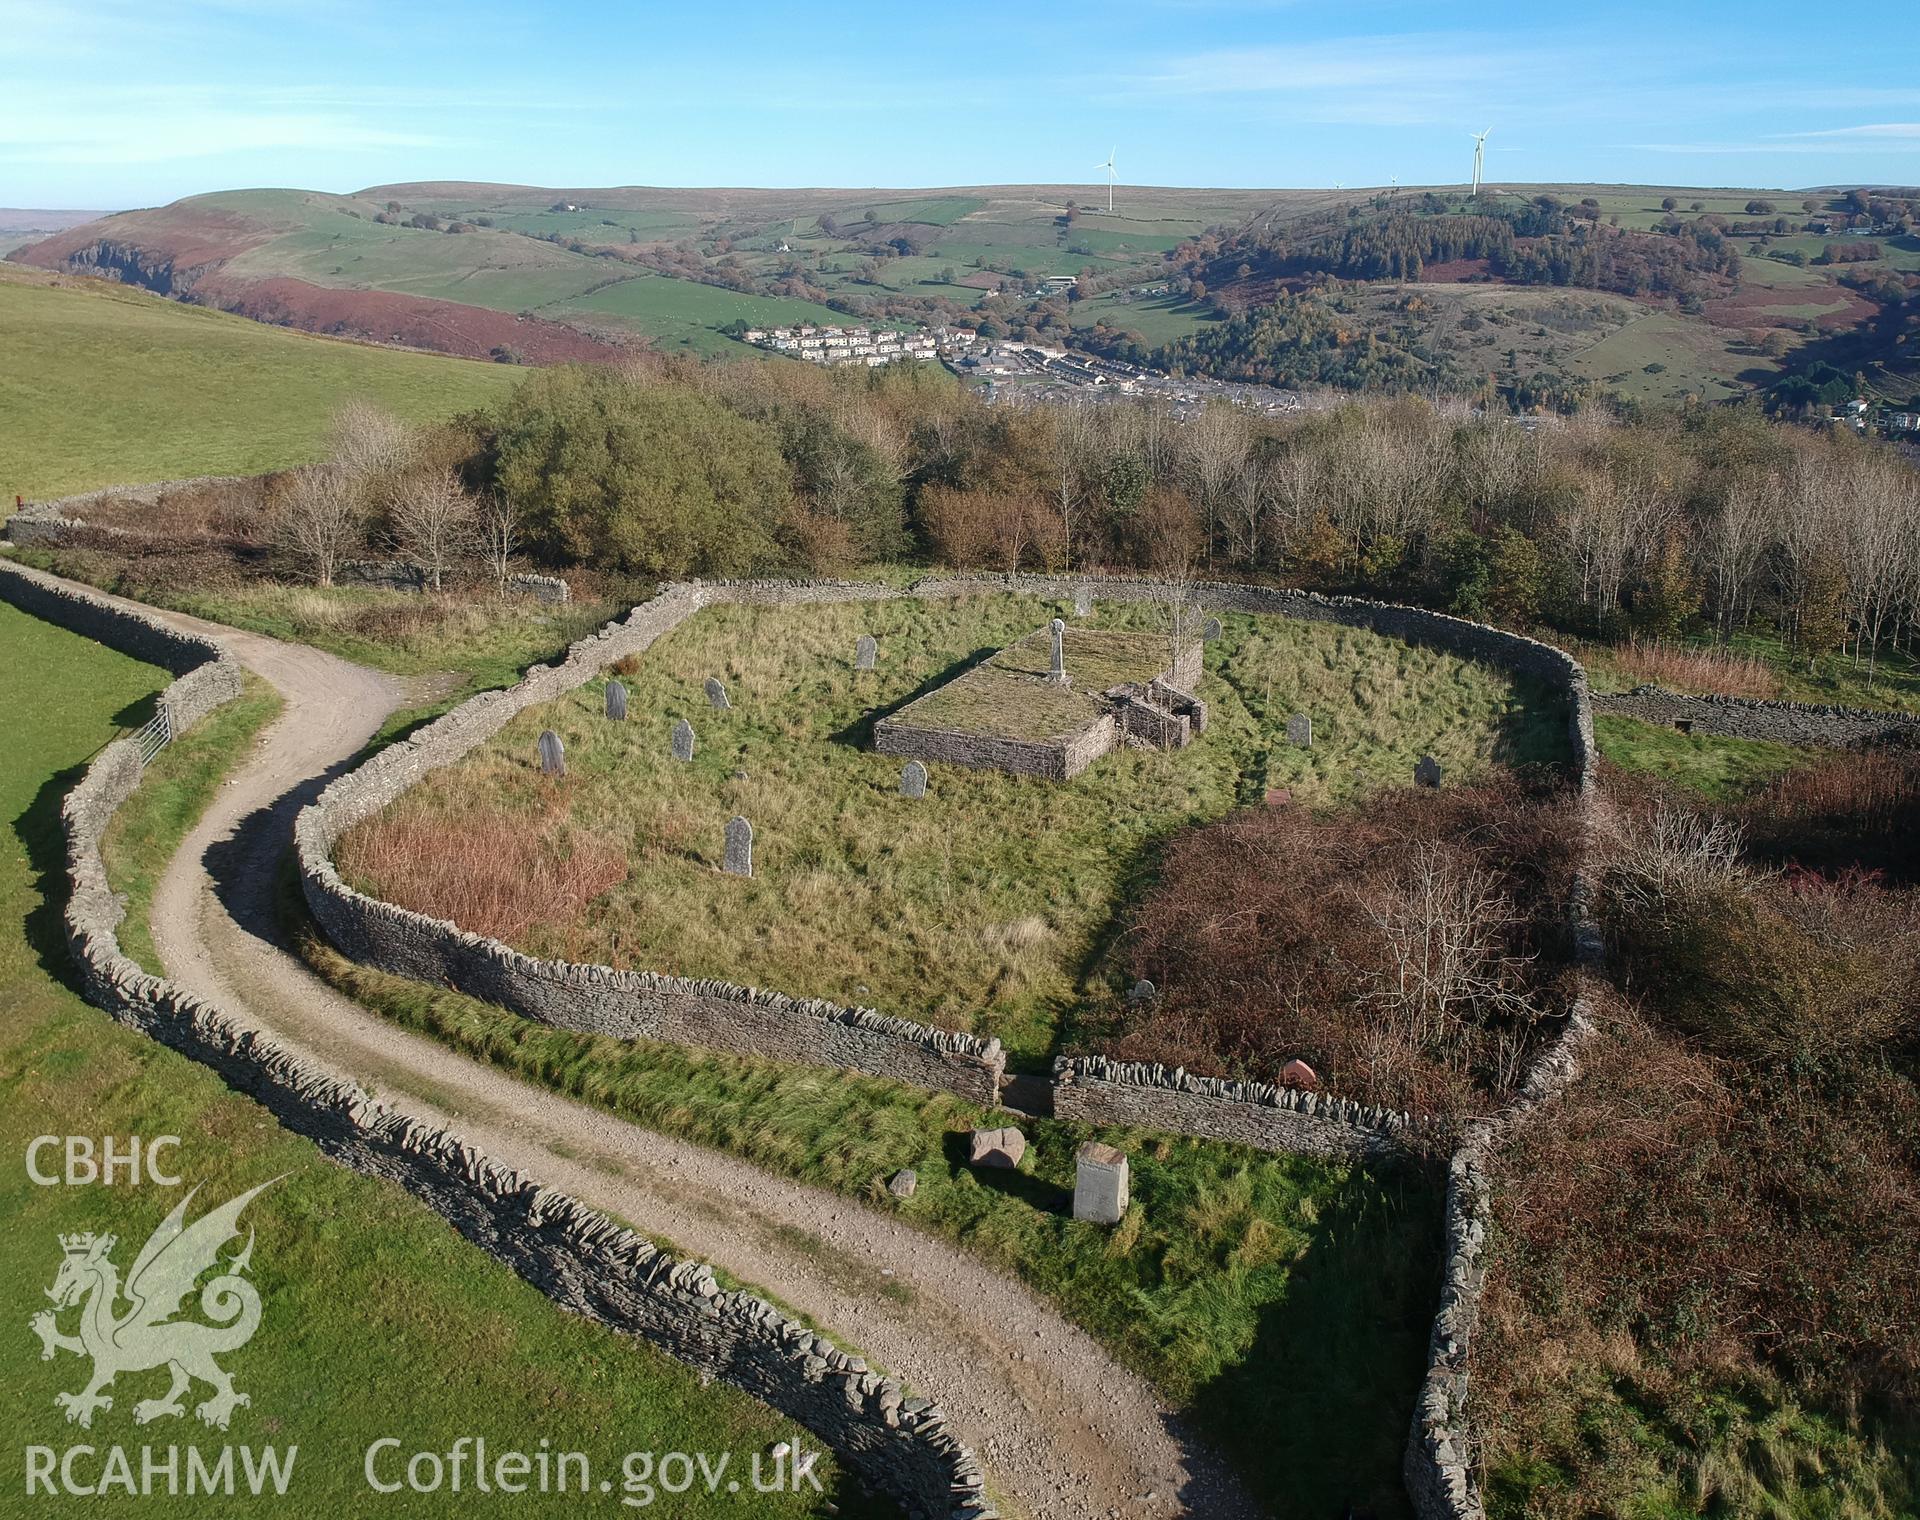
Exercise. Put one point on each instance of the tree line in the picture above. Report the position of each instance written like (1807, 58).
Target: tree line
(1653, 524)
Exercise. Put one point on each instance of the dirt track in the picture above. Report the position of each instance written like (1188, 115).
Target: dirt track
(1064, 1432)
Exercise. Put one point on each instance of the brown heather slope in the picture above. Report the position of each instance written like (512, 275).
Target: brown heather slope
(385, 316)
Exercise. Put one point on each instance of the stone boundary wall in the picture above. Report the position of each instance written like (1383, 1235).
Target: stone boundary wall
(1751, 718)
(207, 674)
(542, 588)
(49, 521)
(1438, 1466)
(1095, 1090)
(600, 999)
(578, 1258)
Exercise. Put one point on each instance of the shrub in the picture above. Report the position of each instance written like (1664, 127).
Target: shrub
(1407, 950)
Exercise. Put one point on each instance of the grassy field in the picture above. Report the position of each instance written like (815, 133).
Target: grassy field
(1229, 1264)
(192, 392)
(379, 1320)
(1720, 768)
(985, 906)
(686, 314)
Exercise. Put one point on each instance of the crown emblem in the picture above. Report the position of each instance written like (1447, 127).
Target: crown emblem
(82, 1243)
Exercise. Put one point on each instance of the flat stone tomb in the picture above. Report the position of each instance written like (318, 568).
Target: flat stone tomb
(1013, 712)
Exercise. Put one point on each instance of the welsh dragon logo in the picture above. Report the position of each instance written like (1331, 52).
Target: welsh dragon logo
(148, 1335)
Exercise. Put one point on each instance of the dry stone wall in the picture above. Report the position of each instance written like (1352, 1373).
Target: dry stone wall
(1750, 718)
(1095, 1090)
(1438, 1465)
(39, 522)
(581, 1260)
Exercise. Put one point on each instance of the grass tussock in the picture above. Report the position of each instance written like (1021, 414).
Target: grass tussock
(495, 874)
(862, 896)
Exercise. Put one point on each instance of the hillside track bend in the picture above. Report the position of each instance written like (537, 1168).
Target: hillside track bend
(1063, 1431)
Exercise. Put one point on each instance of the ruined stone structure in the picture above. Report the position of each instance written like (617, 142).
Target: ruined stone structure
(1080, 723)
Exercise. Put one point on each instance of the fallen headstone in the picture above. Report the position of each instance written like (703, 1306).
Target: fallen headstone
(1300, 730)
(553, 754)
(913, 779)
(739, 860)
(717, 695)
(904, 1182)
(1296, 1073)
(865, 652)
(1279, 796)
(682, 739)
(1099, 1184)
(996, 1147)
(617, 701)
(1427, 772)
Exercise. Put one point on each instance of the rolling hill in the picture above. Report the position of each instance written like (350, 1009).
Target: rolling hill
(103, 385)
(542, 274)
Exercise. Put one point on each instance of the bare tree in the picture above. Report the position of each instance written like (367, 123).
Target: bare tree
(320, 522)
(371, 452)
(433, 522)
(1444, 925)
(1736, 537)
(500, 535)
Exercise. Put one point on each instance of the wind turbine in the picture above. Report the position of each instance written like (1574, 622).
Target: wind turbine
(1108, 166)
(1479, 156)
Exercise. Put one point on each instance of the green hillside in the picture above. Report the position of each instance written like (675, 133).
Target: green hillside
(104, 385)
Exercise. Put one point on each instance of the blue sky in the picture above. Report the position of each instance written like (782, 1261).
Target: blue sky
(111, 104)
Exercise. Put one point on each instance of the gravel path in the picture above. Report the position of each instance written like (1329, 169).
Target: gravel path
(1065, 1433)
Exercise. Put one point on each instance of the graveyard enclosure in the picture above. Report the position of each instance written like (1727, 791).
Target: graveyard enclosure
(1009, 713)
(862, 898)
(582, 1261)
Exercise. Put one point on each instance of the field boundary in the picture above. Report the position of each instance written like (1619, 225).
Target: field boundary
(1438, 1467)
(578, 1258)
(1760, 718)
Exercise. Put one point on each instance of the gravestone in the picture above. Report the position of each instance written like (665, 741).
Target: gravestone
(682, 739)
(717, 695)
(1300, 730)
(996, 1147)
(1211, 630)
(1082, 602)
(904, 1182)
(617, 701)
(1143, 991)
(865, 652)
(739, 861)
(913, 779)
(1099, 1184)
(1296, 1073)
(1279, 796)
(553, 754)
(1427, 772)
(1059, 670)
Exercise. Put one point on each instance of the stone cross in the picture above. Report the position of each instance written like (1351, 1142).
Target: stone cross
(1059, 670)
(682, 739)
(739, 861)
(1300, 730)
(1082, 601)
(717, 695)
(553, 754)
(617, 701)
(1099, 1184)
(865, 652)
(913, 779)
(1427, 772)
(1211, 630)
